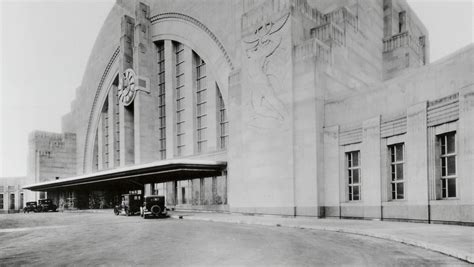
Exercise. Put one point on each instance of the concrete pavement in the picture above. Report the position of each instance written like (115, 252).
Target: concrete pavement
(103, 239)
(453, 240)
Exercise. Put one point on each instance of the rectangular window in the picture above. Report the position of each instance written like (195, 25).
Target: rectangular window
(155, 190)
(201, 102)
(1, 201)
(12, 201)
(22, 199)
(353, 175)
(117, 127)
(161, 100)
(402, 16)
(180, 101)
(106, 137)
(223, 122)
(183, 195)
(397, 171)
(447, 144)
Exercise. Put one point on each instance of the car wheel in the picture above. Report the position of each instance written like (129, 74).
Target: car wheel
(155, 209)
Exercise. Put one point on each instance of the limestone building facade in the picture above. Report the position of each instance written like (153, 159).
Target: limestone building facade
(12, 195)
(287, 107)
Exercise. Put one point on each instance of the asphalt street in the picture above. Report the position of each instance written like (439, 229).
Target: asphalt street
(105, 239)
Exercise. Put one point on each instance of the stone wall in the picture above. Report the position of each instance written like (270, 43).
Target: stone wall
(51, 156)
(11, 189)
(413, 109)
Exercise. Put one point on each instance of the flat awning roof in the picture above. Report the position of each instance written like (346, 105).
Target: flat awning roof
(154, 172)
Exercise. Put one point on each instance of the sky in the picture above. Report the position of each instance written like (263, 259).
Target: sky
(45, 45)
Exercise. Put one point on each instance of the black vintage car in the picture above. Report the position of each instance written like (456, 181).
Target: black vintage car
(153, 206)
(130, 204)
(45, 205)
(30, 206)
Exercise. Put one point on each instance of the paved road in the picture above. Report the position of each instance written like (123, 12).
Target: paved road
(104, 239)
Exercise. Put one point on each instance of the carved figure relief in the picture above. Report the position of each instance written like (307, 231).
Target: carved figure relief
(260, 47)
(126, 88)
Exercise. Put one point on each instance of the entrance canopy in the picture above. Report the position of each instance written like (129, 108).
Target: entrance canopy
(138, 175)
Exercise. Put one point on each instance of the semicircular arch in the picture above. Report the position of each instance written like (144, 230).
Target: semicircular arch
(194, 34)
(108, 77)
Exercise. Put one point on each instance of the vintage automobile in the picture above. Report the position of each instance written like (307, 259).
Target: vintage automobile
(130, 204)
(45, 205)
(30, 206)
(153, 206)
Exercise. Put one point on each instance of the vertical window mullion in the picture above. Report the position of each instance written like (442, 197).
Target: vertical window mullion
(397, 176)
(448, 165)
(201, 103)
(223, 123)
(162, 101)
(179, 99)
(353, 167)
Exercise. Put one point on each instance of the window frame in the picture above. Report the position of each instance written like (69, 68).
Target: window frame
(201, 105)
(179, 98)
(443, 157)
(160, 49)
(223, 121)
(392, 154)
(349, 175)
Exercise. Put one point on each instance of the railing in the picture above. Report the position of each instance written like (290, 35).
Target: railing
(329, 32)
(313, 47)
(403, 39)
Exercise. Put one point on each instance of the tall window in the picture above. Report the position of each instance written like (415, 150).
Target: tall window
(396, 170)
(201, 100)
(96, 151)
(179, 99)
(12, 201)
(105, 134)
(161, 99)
(353, 174)
(1, 201)
(223, 122)
(22, 199)
(448, 164)
(402, 16)
(117, 127)
(158, 189)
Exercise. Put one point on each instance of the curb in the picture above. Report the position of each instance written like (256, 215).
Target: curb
(441, 249)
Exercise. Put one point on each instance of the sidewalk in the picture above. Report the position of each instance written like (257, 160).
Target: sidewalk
(452, 240)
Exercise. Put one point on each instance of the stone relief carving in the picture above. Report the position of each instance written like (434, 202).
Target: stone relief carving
(266, 80)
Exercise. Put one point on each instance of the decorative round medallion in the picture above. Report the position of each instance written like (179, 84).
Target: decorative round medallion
(127, 89)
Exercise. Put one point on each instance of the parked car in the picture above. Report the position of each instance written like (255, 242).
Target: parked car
(129, 205)
(153, 206)
(45, 205)
(30, 206)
